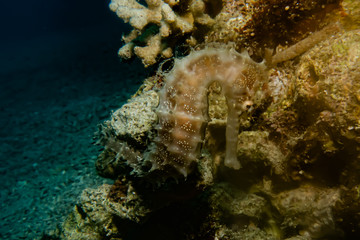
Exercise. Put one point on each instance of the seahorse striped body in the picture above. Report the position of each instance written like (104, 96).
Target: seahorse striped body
(183, 106)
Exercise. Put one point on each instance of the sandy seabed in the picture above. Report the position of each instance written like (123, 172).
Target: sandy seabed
(55, 90)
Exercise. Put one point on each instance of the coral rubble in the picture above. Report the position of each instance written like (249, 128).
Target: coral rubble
(296, 135)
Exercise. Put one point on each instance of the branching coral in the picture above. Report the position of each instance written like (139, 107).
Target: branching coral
(257, 25)
(160, 23)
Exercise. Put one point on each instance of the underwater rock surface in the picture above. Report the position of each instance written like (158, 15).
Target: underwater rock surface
(299, 147)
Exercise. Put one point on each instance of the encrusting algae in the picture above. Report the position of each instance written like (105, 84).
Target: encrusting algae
(246, 137)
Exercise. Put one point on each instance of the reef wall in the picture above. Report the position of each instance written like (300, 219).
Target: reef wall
(231, 146)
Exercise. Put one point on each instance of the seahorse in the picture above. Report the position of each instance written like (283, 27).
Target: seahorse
(183, 106)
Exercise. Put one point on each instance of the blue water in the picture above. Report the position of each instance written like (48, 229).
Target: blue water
(59, 78)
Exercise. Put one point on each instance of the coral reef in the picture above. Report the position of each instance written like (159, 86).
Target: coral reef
(129, 128)
(271, 24)
(158, 25)
(352, 9)
(99, 210)
(315, 219)
(163, 26)
(293, 125)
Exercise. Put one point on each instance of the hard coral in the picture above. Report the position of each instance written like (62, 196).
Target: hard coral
(158, 26)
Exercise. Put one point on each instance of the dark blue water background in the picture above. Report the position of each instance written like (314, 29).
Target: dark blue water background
(59, 78)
